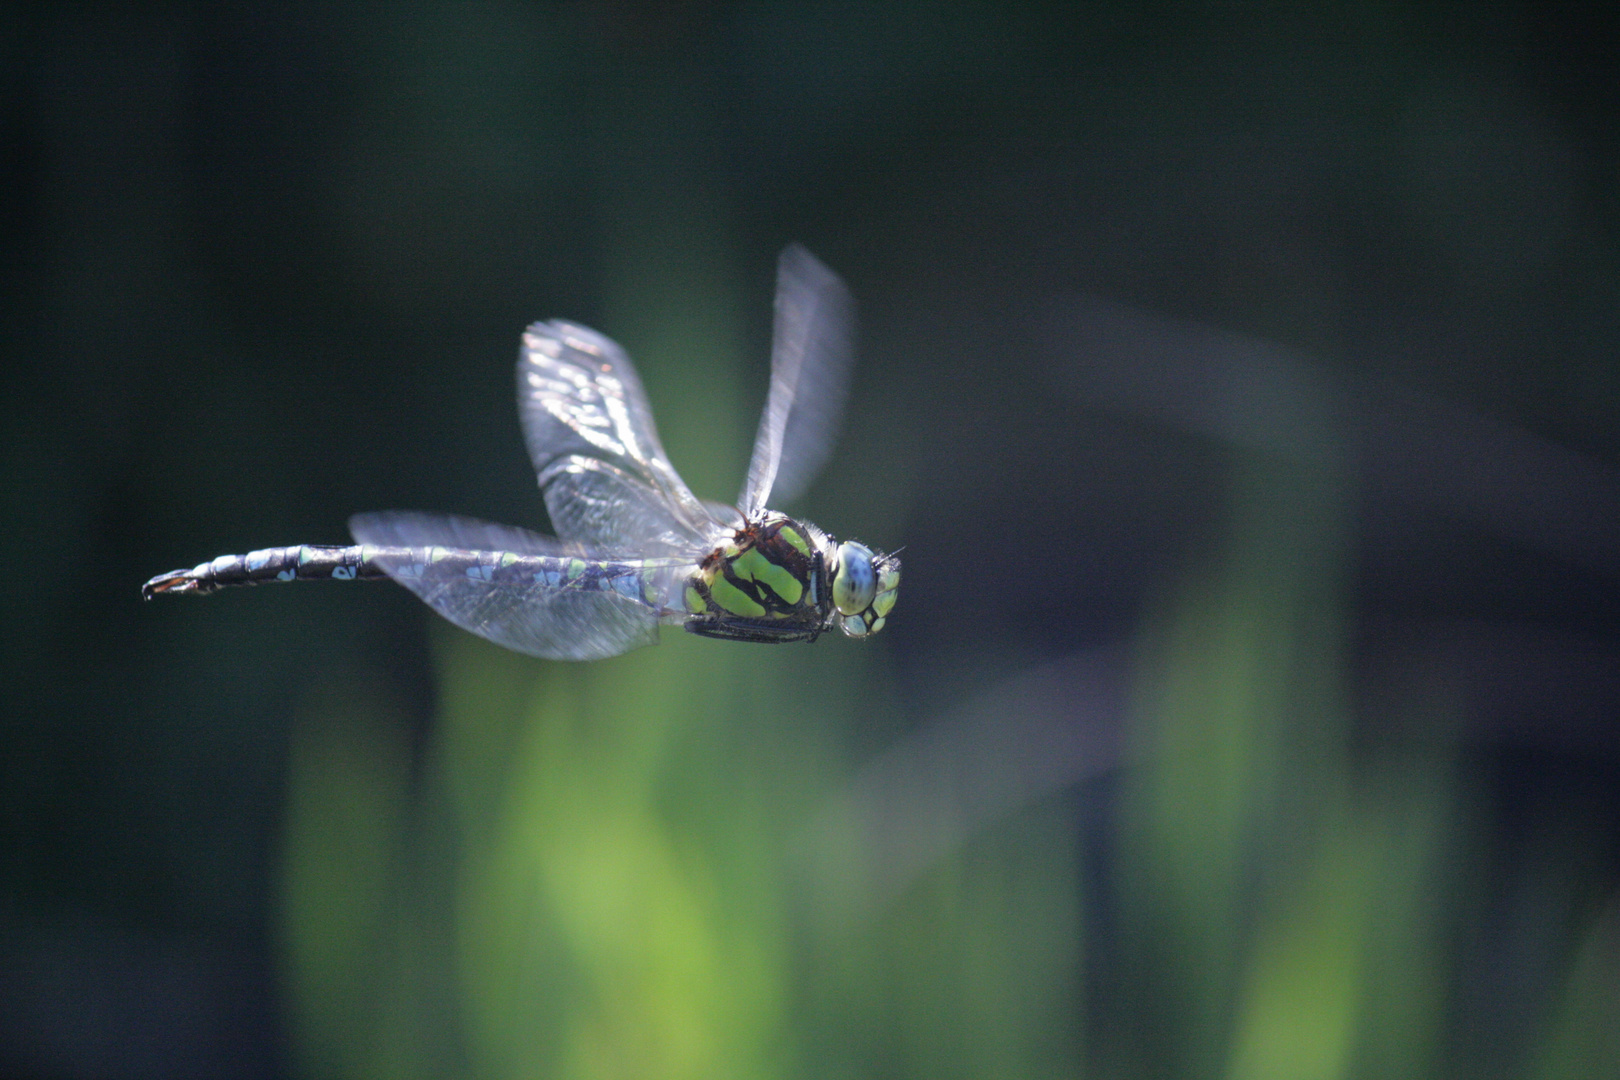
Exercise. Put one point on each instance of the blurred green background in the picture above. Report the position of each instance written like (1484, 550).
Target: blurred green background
(1241, 382)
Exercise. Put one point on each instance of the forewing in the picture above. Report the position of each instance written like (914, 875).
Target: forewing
(555, 623)
(726, 516)
(580, 399)
(621, 515)
(811, 349)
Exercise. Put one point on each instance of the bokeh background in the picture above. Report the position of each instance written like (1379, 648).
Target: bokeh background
(1240, 380)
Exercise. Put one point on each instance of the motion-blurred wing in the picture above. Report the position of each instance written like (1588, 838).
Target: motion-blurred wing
(613, 512)
(555, 623)
(811, 349)
(607, 483)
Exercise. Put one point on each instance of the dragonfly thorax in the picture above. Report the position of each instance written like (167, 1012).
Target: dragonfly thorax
(778, 579)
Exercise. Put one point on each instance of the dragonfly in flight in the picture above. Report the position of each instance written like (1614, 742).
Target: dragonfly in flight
(634, 548)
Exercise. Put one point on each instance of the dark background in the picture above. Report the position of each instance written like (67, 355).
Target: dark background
(1241, 381)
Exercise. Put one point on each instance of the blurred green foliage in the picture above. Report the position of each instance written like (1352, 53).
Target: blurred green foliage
(597, 877)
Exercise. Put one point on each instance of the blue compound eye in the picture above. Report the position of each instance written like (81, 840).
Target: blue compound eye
(854, 581)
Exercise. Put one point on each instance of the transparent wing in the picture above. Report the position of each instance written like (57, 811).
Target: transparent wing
(591, 437)
(555, 623)
(723, 514)
(410, 528)
(618, 515)
(811, 348)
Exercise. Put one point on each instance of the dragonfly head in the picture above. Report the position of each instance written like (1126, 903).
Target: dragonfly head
(864, 586)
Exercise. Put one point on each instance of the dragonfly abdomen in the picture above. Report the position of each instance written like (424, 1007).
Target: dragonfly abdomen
(633, 579)
(301, 562)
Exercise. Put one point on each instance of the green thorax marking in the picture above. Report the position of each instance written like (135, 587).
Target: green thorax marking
(728, 597)
(753, 565)
(766, 571)
(792, 536)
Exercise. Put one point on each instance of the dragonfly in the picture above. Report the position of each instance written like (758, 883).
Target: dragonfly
(633, 548)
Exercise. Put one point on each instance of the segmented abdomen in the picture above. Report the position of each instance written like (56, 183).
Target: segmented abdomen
(645, 581)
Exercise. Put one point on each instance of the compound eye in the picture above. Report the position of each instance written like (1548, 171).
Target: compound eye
(888, 591)
(854, 582)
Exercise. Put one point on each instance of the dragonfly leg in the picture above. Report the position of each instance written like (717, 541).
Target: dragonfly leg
(770, 632)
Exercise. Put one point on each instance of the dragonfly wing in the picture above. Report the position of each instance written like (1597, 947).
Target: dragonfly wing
(616, 513)
(811, 349)
(581, 400)
(555, 623)
(410, 528)
(727, 516)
